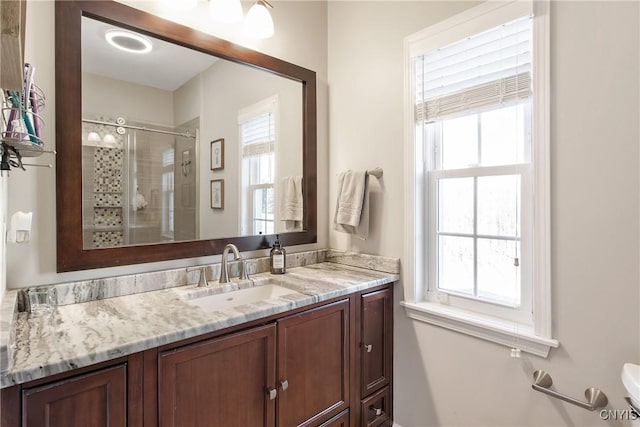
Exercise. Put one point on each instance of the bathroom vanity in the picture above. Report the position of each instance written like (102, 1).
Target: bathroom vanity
(321, 355)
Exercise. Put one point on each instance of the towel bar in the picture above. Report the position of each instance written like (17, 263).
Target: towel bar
(596, 399)
(377, 172)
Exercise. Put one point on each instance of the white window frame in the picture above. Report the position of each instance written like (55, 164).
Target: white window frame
(251, 190)
(502, 310)
(535, 338)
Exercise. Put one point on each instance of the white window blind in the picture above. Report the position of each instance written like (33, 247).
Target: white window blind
(258, 135)
(490, 68)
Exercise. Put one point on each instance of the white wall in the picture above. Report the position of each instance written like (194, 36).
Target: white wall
(232, 88)
(187, 101)
(104, 96)
(300, 38)
(443, 378)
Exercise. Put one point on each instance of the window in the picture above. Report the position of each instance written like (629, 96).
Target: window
(168, 193)
(477, 145)
(258, 139)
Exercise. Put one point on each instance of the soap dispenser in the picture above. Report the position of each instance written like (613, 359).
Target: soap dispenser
(278, 256)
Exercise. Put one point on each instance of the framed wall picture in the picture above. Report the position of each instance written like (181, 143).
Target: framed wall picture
(217, 154)
(217, 194)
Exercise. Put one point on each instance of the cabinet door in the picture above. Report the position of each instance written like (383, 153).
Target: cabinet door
(313, 365)
(219, 382)
(93, 400)
(376, 336)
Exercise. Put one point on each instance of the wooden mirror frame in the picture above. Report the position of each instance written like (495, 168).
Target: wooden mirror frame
(71, 254)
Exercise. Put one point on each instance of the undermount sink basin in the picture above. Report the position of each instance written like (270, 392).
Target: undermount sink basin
(240, 297)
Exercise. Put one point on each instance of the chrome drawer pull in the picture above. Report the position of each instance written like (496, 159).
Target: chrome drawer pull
(368, 347)
(273, 393)
(284, 384)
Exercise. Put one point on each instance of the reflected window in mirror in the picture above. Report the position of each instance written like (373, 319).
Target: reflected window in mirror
(168, 193)
(258, 141)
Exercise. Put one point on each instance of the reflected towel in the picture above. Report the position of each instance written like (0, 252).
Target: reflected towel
(352, 209)
(291, 202)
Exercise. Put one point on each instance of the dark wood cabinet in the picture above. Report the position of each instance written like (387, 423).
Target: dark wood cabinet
(219, 382)
(329, 366)
(375, 328)
(97, 399)
(231, 381)
(376, 409)
(313, 365)
(340, 420)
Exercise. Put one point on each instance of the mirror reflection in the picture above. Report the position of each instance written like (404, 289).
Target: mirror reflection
(179, 145)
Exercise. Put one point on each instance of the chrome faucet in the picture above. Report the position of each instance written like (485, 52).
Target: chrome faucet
(224, 272)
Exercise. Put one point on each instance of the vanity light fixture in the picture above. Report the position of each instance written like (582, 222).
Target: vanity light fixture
(128, 41)
(93, 137)
(228, 11)
(109, 139)
(258, 23)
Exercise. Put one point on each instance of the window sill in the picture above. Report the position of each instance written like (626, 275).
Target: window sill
(488, 328)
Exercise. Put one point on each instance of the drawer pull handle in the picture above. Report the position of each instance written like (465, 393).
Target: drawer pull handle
(368, 347)
(284, 384)
(273, 393)
(378, 411)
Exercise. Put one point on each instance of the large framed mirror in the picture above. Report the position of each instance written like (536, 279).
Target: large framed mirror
(172, 143)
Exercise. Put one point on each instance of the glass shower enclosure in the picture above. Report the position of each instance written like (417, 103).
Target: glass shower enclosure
(139, 182)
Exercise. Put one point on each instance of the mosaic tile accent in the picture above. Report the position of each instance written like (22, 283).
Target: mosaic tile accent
(105, 169)
(108, 170)
(107, 200)
(106, 239)
(107, 217)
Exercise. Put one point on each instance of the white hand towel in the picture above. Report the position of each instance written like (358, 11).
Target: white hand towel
(291, 202)
(352, 209)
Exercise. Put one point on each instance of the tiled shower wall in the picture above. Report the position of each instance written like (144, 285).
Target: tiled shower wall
(103, 187)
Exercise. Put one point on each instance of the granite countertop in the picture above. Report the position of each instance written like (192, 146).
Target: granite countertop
(82, 334)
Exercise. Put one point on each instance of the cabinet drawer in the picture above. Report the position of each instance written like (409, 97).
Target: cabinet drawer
(340, 420)
(376, 409)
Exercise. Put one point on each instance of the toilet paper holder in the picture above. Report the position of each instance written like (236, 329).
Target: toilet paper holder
(596, 398)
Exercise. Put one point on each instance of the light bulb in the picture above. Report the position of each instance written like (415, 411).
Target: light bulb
(93, 137)
(229, 11)
(258, 23)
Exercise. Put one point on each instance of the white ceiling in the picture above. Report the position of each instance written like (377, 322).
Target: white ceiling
(166, 67)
